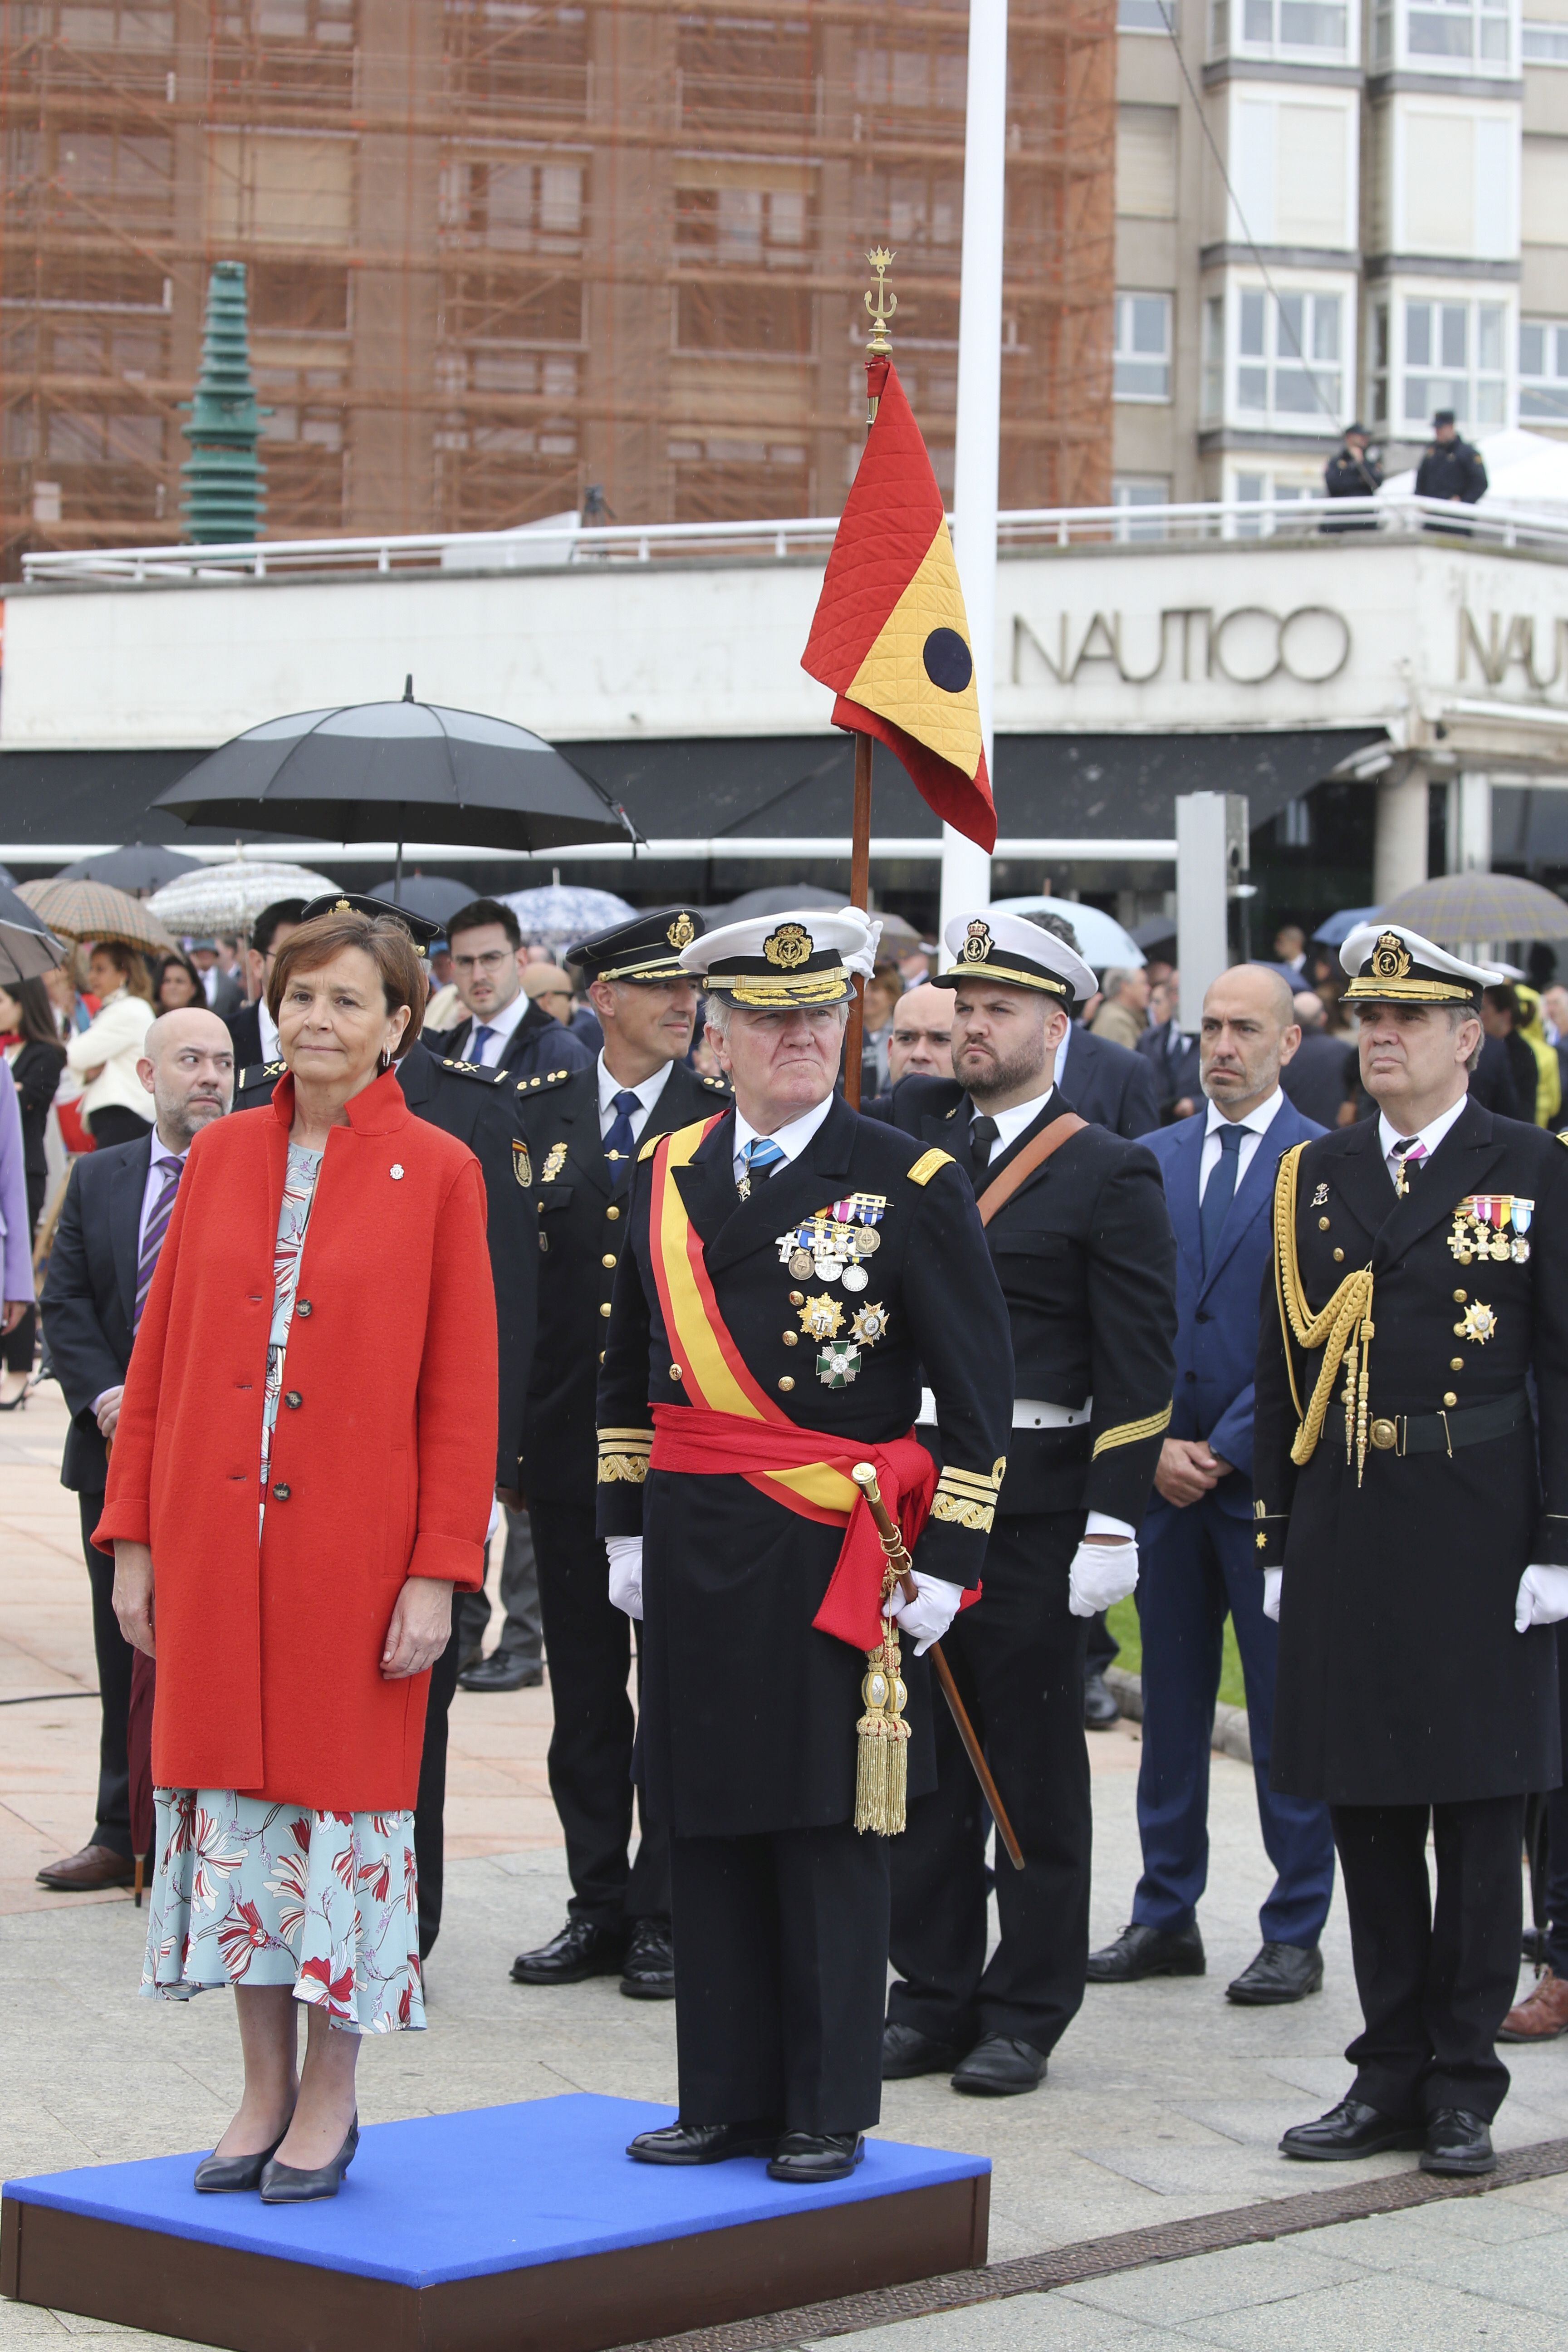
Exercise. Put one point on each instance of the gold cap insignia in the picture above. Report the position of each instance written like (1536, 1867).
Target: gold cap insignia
(977, 944)
(342, 907)
(681, 932)
(788, 947)
(1391, 958)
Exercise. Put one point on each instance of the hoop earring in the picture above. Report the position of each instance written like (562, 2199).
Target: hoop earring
(383, 1061)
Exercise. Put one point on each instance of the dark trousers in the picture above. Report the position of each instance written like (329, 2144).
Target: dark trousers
(589, 1643)
(114, 1654)
(1557, 1835)
(1195, 1567)
(520, 1633)
(781, 1962)
(1017, 1659)
(1102, 1648)
(429, 1834)
(1436, 1979)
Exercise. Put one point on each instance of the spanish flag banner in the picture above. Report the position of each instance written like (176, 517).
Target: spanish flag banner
(890, 634)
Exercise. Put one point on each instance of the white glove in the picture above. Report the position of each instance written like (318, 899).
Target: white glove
(626, 1573)
(1543, 1598)
(865, 963)
(1101, 1573)
(927, 1617)
(1273, 1578)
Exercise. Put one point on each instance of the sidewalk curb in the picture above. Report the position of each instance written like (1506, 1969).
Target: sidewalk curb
(1231, 1737)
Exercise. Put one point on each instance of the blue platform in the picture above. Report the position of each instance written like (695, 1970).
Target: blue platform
(445, 2198)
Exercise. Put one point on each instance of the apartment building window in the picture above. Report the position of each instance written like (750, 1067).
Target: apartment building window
(1132, 495)
(1142, 355)
(1287, 358)
(1448, 36)
(1146, 15)
(1454, 357)
(1318, 30)
(1541, 45)
(1265, 489)
(1544, 371)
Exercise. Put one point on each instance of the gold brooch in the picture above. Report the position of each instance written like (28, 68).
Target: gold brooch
(552, 1164)
(788, 947)
(1478, 1322)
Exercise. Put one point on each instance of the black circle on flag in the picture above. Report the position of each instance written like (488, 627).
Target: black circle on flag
(948, 661)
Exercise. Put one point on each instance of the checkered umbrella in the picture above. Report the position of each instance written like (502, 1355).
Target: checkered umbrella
(1460, 909)
(27, 950)
(94, 910)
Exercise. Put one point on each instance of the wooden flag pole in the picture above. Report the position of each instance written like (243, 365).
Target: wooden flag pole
(880, 304)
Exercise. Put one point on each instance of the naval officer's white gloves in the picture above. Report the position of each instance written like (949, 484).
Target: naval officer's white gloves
(927, 1617)
(1543, 1598)
(1273, 1578)
(626, 1573)
(1101, 1573)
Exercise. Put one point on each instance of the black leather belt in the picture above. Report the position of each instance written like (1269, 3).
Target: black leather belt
(1438, 1432)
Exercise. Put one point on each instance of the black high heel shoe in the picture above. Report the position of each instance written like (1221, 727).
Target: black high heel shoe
(286, 2184)
(216, 2174)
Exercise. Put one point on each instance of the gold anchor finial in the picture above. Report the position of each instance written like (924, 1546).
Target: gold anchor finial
(880, 304)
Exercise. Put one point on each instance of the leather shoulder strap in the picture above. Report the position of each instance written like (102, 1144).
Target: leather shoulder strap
(1034, 1155)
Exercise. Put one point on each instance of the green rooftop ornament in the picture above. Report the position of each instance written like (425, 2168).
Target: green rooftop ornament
(223, 475)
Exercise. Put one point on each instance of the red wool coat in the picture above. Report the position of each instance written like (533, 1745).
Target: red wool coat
(268, 1652)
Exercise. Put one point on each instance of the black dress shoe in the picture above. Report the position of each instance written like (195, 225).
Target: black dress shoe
(1141, 1951)
(580, 1951)
(649, 1972)
(810, 2158)
(1100, 1707)
(1351, 2129)
(906, 2053)
(287, 2184)
(215, 2175)
(703, 2143)
(999, 2068)
(501, 1673)
(1457, 2141)
(1281, 1972)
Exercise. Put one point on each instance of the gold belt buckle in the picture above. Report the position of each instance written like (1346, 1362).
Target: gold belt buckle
(1384, 1435)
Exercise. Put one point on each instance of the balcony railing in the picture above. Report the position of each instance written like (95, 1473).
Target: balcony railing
(1537, 530)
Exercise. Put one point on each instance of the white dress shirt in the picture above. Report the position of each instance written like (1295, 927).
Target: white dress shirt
(501, 1024)
(271, 1044)
(648, 1094)
(1010, 1124)
(792, 1139)
(1253, 1127)
(1431, 1135)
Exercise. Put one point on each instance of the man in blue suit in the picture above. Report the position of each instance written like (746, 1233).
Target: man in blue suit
(1197, 1538)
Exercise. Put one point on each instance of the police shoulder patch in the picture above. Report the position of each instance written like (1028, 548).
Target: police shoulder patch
(926, 1166)
(487, 1077)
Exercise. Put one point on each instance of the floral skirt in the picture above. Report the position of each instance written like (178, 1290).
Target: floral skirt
(249, 1892)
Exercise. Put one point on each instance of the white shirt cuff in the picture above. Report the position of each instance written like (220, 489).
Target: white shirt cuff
(1101, 1523)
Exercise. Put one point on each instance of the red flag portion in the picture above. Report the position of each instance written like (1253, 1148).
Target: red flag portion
(890, 636)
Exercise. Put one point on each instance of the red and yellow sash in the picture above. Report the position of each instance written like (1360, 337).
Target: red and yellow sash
(732, 1428)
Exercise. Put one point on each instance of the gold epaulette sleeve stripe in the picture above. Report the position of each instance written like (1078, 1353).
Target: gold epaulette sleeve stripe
(618, 1437)
(927, 1163)
(957, 1508)
(978, 1482)
(649, 1147)
(1132, 1432)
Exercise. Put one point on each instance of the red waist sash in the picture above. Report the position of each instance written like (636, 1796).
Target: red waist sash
(697, 1440)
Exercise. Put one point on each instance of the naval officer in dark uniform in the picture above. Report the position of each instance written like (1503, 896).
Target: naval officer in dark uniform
(1081, 1242)
(583, 1132)
(1411, 1522)
(791, 1272)
(478, 1106)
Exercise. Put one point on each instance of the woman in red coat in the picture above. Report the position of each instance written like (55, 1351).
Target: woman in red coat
(321, 1315)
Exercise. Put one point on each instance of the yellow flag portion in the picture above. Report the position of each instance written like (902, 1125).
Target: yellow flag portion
(896, 679)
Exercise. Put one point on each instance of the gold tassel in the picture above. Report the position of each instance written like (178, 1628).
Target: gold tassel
(881, 1764)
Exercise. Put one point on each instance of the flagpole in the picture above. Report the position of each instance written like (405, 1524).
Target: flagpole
(965, 867)
(880, 303)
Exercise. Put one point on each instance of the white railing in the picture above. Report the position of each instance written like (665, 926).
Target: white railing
(1538, 531)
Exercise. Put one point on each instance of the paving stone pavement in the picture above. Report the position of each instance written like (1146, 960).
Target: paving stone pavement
(1162, 2101)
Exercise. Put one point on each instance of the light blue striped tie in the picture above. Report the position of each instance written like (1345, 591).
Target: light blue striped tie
(761, 1155)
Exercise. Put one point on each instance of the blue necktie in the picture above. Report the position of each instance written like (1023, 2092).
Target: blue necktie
(621, 1141)
(478, 1041)
(761, 1155)
(1221, 1189)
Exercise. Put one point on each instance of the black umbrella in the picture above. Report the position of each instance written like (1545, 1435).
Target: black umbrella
(139, 869)
(27, 950)
(434, 896)
(399, 771)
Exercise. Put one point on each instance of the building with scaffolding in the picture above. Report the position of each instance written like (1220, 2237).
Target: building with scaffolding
(504, 261)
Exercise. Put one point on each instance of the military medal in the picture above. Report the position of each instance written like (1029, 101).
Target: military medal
(871, 1324)
(554, 1163)
(800, 1263)
(1482, 1223)
(856, 1277)
(1478, 1322)
(821, 1318)
(829, 1244)
(836, 1367)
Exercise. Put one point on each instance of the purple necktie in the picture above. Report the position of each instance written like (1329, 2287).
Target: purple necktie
(163, 1209)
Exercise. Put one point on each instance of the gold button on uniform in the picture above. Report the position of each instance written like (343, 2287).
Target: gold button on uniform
(605, 1307)
(1448, 1397)
(613, 1215)
(1338, 1257)
(1460, 1297)
(675, 1371)
(790, 1339)
(1323, 1225)
(786, 1383)
(608, 1258)
(797, 1299)
(1456, 1363)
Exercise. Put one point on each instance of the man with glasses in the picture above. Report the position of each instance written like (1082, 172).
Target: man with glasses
(505, 1028)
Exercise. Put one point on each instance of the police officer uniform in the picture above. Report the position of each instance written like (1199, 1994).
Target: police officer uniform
(792, 1299)
(581, 1137)
(476, 1107)
(1418, 1517)
(1085, 1258)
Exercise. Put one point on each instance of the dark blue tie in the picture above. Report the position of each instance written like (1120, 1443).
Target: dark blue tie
(1220, 1191)
(621, 1141)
